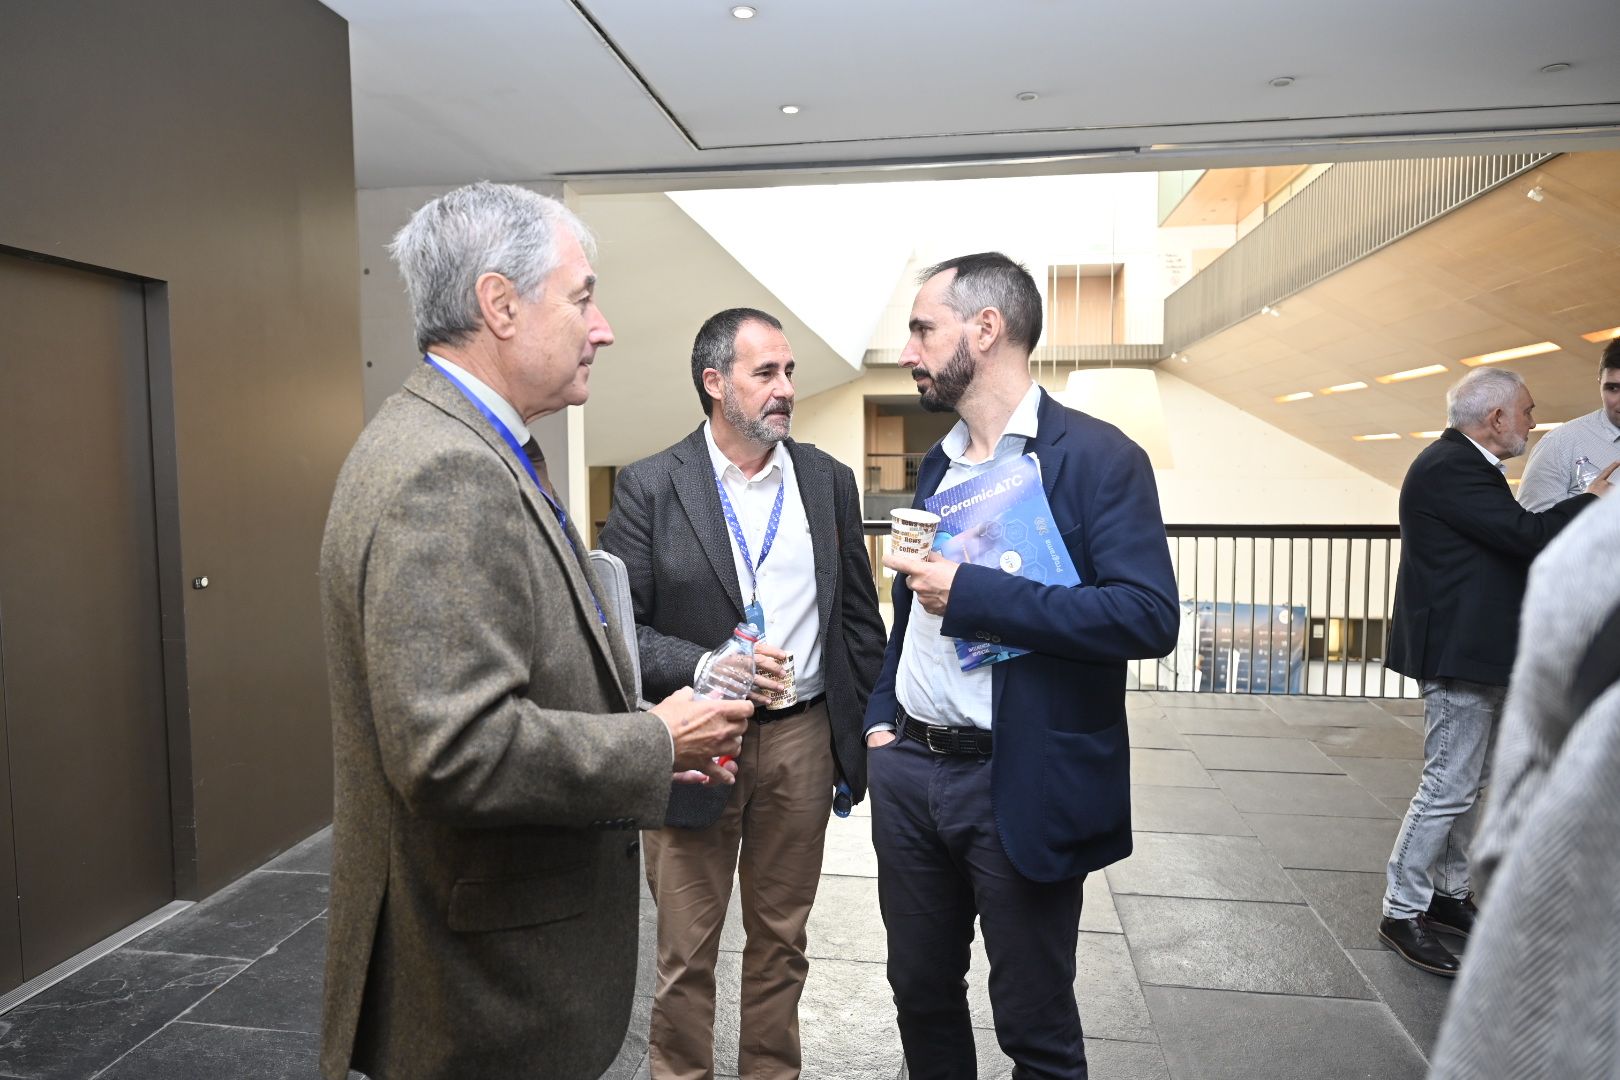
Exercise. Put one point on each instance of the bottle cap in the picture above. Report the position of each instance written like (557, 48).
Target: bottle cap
(746, 631)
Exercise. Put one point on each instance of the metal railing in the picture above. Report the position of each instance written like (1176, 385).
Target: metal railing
(1074, 356)
(892, 472)
(1346, 214)
(1268, 609)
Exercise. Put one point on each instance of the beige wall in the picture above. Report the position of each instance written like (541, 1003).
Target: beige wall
(1231, 468)
(835, 420)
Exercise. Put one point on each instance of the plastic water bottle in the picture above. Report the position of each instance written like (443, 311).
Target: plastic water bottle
(1585, 473)
(729, 674)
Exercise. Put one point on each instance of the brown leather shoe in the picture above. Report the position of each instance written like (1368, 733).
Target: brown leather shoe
(1453, 914)
(1415, 943)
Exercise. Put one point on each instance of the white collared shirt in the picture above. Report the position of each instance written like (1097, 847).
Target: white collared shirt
(931, 685)
(503, 410)
(1490, 457)
(787, 580)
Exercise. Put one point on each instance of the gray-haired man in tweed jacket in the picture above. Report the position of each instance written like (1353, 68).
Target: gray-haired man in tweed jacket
(490, 759)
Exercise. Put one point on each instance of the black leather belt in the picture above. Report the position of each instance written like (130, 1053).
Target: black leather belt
(945, 738)
(767, 716)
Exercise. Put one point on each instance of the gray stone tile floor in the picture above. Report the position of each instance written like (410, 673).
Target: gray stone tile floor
(1239, 940)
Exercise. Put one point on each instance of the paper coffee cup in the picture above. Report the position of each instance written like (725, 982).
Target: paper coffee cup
(788, 695)
(911, 532)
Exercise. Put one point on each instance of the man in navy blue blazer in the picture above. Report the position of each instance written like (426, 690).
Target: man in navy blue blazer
(995, 791)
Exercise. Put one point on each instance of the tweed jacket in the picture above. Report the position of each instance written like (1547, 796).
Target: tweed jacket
(668, 527)
(489, 764)
(1466, 547)
(1060, 780)
(1538, 997)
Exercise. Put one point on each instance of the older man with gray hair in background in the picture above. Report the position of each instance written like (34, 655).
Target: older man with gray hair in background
(490, 760)
(1466, 548)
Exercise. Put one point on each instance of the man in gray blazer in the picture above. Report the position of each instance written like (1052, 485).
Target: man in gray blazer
(489, 756)
(738, 520)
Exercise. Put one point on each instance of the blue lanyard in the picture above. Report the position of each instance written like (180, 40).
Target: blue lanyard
(528, 466)
(737, 533)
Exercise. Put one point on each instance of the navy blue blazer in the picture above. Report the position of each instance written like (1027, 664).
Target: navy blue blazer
(1061, 768)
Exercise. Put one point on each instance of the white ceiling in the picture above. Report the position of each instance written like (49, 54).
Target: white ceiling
(659, 94)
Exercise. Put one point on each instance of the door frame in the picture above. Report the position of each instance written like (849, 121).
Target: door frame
(171, 582)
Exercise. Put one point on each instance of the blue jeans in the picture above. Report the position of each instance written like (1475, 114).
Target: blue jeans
(1431, 850)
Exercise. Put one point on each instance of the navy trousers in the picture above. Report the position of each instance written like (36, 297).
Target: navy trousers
(940, 863)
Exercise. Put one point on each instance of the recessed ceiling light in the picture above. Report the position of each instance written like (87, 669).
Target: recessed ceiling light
(743, 11)
(1597, 336)
(1548, 425)
(1425, 434)
(1413, 373)
(1027, 95)
(790, 110)
(1344, 388)
(1382, 436)
(1300, 396)
(1511, 354)
(1282, 80)
(1553, 69)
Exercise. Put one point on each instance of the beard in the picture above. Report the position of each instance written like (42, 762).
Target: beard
(1515, 448)
(950, 382)
(757, 429)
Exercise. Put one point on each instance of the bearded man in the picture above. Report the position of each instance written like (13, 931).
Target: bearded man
(739, 522)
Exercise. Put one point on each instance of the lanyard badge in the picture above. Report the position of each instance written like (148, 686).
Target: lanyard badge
(528, 466)
(753, 613)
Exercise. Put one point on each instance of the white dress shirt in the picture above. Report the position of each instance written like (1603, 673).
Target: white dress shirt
(930, 684)
(1490, 457)
(503, 410)
(787, 580)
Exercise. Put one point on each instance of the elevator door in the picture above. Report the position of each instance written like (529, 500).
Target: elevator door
(81, 659)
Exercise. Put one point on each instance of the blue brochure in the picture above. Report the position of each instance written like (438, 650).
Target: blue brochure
(1001, 518)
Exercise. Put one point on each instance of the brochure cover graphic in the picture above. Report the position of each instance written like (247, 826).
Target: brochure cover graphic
(1001, 518)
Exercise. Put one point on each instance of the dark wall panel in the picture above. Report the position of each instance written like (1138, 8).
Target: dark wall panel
(208, 146)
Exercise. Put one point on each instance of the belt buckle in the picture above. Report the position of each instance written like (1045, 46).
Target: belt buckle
(946, 737)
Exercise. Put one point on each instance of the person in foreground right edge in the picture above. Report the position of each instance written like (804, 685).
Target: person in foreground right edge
(1466, 547)
(995, 791)
(1537, 999)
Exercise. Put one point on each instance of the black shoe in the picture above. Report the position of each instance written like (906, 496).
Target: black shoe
(1453, 914)
(1415, 943)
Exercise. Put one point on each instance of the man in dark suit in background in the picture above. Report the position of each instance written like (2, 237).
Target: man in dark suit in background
(738, 520)
(488, 752)
(1466, 547)
(995, 791)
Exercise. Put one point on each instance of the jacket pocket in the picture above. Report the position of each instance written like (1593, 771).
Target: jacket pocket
(483, 904)
(1085, 785)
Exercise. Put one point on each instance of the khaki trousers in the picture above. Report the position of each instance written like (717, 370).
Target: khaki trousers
(770, 836)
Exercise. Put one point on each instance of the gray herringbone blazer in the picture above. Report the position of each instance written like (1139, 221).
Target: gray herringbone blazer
(489, 765)
(1538, 997)
(667, 526)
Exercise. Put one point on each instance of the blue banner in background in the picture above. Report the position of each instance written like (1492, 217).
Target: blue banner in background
(1250, 648)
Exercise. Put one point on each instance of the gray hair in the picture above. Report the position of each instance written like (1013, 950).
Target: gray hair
(475, 230)
(716, 345)
(1479, 392)
(991, 280)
